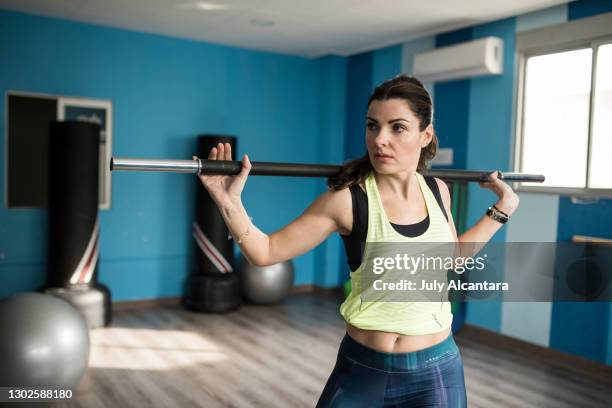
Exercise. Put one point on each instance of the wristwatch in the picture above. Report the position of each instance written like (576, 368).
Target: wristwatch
(497, 216)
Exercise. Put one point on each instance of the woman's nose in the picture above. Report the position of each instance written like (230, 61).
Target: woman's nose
(382, 138)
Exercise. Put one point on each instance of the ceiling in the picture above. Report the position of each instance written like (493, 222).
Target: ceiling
(310, 28)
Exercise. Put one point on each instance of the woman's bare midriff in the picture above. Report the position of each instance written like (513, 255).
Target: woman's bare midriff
(393, 342)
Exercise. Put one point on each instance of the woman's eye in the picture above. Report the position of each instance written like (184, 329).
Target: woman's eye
(371, 126)
(398, 128)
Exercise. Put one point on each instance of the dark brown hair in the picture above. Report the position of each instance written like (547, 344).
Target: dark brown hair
(412, 91)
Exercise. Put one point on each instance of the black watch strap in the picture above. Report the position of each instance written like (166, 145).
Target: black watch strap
(497, 216)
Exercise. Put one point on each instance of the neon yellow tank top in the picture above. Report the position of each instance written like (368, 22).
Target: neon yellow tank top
(408, 318)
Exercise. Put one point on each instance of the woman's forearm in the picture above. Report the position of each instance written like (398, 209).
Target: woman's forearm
(253, 243)
(475, 238)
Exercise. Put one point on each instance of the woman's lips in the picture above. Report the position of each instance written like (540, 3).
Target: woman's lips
(383, 158)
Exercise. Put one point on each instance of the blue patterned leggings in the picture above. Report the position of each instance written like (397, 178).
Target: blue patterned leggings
(364, 377)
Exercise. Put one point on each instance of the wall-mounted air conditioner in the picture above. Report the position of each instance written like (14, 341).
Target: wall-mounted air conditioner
(465, 60)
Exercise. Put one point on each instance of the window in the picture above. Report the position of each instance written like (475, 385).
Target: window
(564, 127)
(600, 165)
(27, 148)
(556, 117)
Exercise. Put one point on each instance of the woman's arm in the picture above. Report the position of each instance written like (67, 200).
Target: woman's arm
(315, 224)
(472, 240)
(328, 213)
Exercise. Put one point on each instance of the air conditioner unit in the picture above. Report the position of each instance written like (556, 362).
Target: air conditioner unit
(464, 60)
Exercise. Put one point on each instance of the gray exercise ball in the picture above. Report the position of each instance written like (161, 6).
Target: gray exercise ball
(44, 341)
(265, 285)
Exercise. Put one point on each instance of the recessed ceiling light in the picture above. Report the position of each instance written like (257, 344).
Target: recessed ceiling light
(203, 5)
(261, 22)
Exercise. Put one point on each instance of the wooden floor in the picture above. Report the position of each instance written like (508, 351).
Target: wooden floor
(281, 356)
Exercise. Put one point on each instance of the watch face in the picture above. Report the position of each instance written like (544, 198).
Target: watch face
(496, 216)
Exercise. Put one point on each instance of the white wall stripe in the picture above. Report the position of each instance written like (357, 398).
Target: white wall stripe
(530, 321)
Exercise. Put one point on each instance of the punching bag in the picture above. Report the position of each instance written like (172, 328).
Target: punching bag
(74, 228)
(213, 286)
(218, 254)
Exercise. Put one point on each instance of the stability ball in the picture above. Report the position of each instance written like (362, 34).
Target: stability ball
(44, 342)
(265, 285)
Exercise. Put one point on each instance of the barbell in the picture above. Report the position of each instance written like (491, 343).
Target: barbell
(232, 167)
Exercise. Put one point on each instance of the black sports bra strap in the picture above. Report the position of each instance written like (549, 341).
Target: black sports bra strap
(435, 189)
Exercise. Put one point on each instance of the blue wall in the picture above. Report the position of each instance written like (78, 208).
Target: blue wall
(587, 8)
(164, 92)
(386, 64)
(358, 90)
(331, 139)
(452, 103)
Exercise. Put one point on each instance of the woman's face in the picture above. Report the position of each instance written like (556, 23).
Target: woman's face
(393, 137)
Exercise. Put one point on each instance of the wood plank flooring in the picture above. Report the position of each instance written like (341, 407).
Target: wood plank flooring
(281, 356)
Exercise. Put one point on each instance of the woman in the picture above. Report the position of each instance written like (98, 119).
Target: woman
(405, 359)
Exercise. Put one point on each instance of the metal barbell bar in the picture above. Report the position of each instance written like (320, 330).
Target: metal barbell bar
(227, 167)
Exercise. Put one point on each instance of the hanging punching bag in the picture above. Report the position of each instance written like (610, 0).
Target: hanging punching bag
(74, 228)
(213, 286)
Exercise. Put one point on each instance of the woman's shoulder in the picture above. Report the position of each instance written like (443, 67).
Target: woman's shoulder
(333, 201)
(442, 187)
(338, 204)
(343, 194)
(437, 185)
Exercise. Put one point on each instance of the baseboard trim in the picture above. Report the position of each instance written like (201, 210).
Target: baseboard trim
(146, 303)
(318, 290)
(584, 366)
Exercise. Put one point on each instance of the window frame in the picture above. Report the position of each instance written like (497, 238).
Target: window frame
(543, 45)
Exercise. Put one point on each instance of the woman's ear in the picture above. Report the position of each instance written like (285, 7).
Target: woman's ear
(427, 135)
